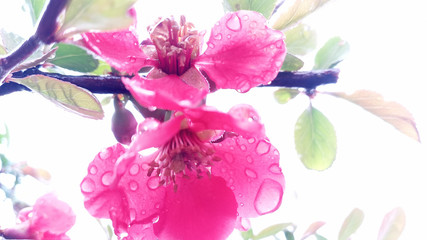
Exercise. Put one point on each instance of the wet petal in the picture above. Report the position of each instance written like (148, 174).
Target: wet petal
(207, 118)
(251, 168)
(242, 52)
(120, 49)
(169, 92)
(52, 215)
(141, 231)
(200, 209)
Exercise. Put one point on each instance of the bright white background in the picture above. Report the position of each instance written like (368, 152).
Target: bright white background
(376, 170)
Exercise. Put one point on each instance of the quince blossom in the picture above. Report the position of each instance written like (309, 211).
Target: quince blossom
(210, 172)
(48, 219)
(242, 52)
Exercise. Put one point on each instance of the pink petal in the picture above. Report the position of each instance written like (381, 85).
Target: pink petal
(169, 92)
(251, 169)
(52, 215)
(141, 231)
(242, 52)
(120, 49)
(206, 118)
(200, 209)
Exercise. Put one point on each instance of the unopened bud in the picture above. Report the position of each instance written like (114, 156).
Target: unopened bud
(123, 125)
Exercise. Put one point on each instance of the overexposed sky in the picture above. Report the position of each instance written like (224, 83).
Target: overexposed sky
(376, 169)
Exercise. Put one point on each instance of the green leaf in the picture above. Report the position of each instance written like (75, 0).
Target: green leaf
(246, 235)
(102, 15)
(312, 229)
(315, 140)
(393, 225)
(351, 224)
(36, 7)
(289, 235)
(64, 94)
(102, 69)
(5, 137)
(106, 100)
(74, 58)
(2, 50)
(283, 95)
(331, 53)
(272, 230)
(4, 161)
(265, 7)
(391, 112)
(300, 40)
(319, 237)
(291, 63)
(296, 10)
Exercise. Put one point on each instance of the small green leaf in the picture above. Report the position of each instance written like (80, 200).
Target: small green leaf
(331, 53)
(106, 100)
(319, 237)
(283, 95)
(351, 224)
(36, 7)
(315, 140)
(265, 7)
(74, 58)
(84, 15)
(5, 137)
(4, 161)
(291, 63)
(300, 40)
(102, 69)
(393, 225)
(295, 11)
(272, 230)
(289, 235)
(2, 50)
(246, 235)
(312, 229)
(391, 112)
(64, 94)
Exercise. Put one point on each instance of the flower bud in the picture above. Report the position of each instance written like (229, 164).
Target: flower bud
(123, 125)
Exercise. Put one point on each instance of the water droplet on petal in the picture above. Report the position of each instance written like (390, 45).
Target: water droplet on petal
(279, 44)
(276, 152)
(243, 147)
(218, 36)
(93, 170)
(275, 168)
(211, 45)
(243, 87)
(249, 159)
(88, 185)
(245, 224)
(223, 170)
(240, 195)
(232, 188)
(143, 212)
(134, 169)
(132, 214)
(269, 197)
(132, 59)
(133, 185)
(251, 140)
(250, 173)
(234, 23)
(253, 24)
(245, 17)
(228, 36)
(153, 183)
(156, 219)
(105, 154)
(107, 178)
(263, 147)
(157, 205)
(241, 204)
(229, 158)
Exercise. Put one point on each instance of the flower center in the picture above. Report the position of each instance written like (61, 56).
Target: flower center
(184, 153)
(176, 44)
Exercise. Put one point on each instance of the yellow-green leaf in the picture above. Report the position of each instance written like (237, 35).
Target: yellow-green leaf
(283, 95)
(331, 53)
(393, 225)
(74, 58)
(291, 63)
(389, 111)
(296, 10)
(315, 140)
(300, 39)
(64, 94)
(36, 7)
(265, 7)
(351, 224)
(85, 15)
(272, 230)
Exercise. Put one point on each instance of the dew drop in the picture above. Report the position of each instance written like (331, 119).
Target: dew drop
(105, 154)
(97, 41)
(143, 212)
(107, 178)
(249, 159)
(263, 147)
(211, 45)
(156, 219)
(229, 158)
(152, 108)
(243, 147)
(243, 87)
(234, 23)
(253, 24)
(232, 188)
(132, 214)
(250, 173)
(245, 17)
(93, 170)
(228, 36)
(157, 205)
(241, 204)
(132, 59)
(223, 170)
(269, 197)
(88, 185)
(134, 169)
(153, 183)
(276, 152)
(275, 168)
(279, 44)
(240, 195)
(218, 36)
(133, 185)
(251, 140)
(245, 224)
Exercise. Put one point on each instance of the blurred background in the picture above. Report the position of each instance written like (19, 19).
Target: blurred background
(377, 168)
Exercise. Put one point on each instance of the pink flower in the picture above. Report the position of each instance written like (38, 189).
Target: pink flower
(211, 171)
(48, 219)
(242, 52)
